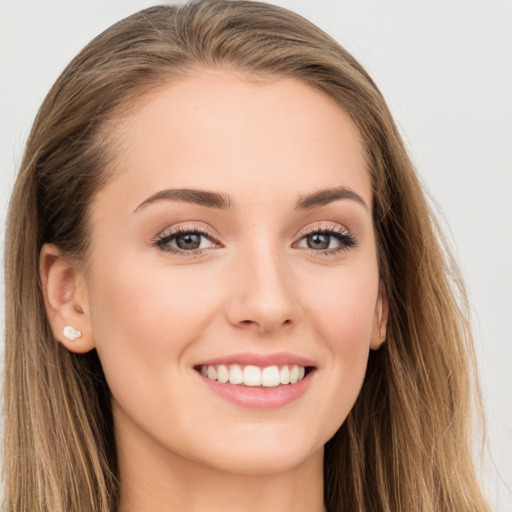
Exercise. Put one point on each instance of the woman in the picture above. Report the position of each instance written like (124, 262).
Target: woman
(243, 302)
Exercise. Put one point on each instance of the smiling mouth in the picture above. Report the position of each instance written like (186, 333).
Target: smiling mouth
(254, 376)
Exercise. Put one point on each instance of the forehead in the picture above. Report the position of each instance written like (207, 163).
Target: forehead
(225, 131)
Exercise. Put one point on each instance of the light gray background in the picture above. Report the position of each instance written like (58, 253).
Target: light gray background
(445, 67)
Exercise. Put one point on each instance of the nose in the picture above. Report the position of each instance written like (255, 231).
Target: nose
(263, 295)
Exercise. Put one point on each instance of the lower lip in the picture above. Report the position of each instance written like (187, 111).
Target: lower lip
(259, 397)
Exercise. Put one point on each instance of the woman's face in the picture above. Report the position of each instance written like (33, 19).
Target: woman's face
(234, 243)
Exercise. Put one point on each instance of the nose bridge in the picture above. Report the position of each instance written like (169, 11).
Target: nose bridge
(263, 296)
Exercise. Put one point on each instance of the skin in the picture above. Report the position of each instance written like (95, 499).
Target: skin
(258, 287)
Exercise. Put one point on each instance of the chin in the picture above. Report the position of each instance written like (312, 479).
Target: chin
(266, 463)
(264, 452)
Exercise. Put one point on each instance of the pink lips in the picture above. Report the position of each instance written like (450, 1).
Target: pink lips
(259, 397)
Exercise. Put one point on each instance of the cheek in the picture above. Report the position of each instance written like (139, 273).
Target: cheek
(343, 315)
(144, 322)
(145, 318)
(343, 306)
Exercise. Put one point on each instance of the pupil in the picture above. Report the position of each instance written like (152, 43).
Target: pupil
(188, 241)
(318, 241)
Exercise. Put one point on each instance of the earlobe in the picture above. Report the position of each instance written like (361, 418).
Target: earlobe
(380, 319)
(66, 299)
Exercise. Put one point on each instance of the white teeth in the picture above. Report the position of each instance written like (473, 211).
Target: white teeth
(270, 376)
(235, 374)
(222, 374)
(212, 372)
(284, 375)
(254, 376)
(294, 374)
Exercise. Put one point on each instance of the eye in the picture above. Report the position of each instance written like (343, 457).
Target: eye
(186, 241)
(329, 240)
(320, 241)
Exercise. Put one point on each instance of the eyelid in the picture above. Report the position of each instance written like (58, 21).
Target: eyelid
(187, 228)
(345, 238)
(323, 227)
(161, 240)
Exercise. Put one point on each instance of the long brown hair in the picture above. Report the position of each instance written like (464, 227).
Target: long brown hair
(406, 445)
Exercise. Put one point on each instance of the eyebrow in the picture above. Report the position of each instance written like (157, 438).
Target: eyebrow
(224, 202)
(324, 197)
(199, 197)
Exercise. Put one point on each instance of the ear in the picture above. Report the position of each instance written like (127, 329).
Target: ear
(65, 298)
(380, 319)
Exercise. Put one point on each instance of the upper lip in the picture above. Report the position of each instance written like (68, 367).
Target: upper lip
(262, 360)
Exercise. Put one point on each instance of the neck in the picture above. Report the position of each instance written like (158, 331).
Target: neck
(153, 479)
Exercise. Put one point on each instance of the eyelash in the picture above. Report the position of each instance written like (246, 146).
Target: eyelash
(344, 238)
(162, 241)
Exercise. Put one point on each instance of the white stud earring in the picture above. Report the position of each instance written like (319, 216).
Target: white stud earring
(70, 333)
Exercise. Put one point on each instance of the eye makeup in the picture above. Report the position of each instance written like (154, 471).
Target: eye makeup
(193, 240)
(187, 240)
(318, 240)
